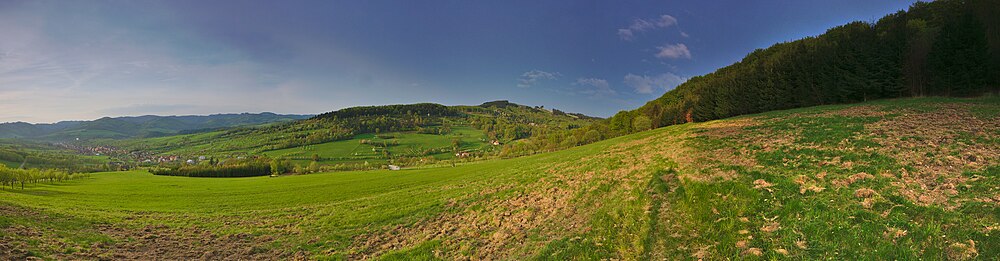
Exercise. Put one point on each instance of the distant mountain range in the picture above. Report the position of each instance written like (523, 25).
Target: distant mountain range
(137, 126)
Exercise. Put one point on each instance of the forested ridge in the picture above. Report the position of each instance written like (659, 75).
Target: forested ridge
(137, 126)
(940, 48)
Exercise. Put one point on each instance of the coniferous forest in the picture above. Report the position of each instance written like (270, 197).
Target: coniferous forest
(940, 48)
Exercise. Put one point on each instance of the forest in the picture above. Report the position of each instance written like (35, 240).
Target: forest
(940, 48)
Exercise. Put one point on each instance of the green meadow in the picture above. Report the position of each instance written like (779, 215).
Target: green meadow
(409, 144)
(900, 179)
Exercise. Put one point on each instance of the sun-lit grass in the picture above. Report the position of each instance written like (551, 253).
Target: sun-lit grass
(625, 198)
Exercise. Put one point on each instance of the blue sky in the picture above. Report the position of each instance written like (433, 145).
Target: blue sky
(71, 60)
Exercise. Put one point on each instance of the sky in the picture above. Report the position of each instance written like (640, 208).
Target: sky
(82, 60)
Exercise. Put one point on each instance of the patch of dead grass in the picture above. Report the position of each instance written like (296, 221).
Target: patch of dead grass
(929, 143)
(962, 250)
(864, 193)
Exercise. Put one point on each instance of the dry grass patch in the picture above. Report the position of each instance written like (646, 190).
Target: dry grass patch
(962, 250)
(939, 145)
(499, 225)
(864, 193)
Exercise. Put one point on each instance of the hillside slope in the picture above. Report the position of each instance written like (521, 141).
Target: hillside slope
(498, 120)
(942, 48)
(897, 179)
(28, 154)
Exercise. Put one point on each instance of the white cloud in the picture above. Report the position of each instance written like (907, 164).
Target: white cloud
(529, 78)
(641, 25)
(626, 34)
(596, 87)
(673, 51)
(647, 84)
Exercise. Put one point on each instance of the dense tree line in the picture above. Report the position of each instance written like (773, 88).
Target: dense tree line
(229, 169)
(424, 109)
(941, 48)
(19, 177)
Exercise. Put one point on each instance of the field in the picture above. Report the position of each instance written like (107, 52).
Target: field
(410, 144)
(213, 143)
(897, 179)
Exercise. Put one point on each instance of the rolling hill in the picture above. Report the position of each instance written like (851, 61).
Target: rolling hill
(410, 130)
(896, 179)
(42, 155)
(138, 126)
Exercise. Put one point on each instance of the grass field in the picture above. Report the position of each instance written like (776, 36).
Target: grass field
(409, 144)
(899, 179)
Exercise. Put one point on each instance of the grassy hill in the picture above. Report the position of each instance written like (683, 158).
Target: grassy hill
(15, 152)
(415, 131)
(897, 179)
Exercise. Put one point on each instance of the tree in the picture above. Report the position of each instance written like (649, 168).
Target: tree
(621, 122)
(456, 144)
(279, 166)
(591, 136)
(314, 167)
(641, 123)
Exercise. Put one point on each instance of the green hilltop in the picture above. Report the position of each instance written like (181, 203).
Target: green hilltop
(373, 134)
